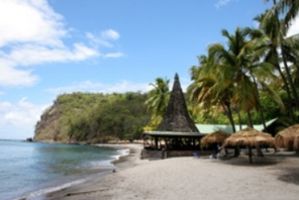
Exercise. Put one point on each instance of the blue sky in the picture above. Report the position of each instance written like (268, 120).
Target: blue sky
(57, 46)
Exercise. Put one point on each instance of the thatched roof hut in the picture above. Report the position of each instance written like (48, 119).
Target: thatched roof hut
(217, 137)
(249, 138)
(286, 138)
(176, 117)
(296, 143)
(177, 129)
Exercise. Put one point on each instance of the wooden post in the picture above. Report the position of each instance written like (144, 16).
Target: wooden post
(156, 142)
(259, 151)
(250, 154)
(237, 151)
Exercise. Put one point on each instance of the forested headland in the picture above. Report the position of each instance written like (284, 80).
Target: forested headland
(92, 118)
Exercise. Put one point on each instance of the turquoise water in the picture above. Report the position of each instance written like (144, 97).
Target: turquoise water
(28, 167)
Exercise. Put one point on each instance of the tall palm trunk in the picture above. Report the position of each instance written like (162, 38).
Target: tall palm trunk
(286, 84)
(259, 105)
(287, 88)
(289, 78)
(249, 118)
(239, 118)
(261, 110)
(294, 91)
(228, 111)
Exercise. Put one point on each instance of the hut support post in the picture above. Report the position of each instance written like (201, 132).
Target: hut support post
(226, 151)
(237, 151)
(156, 142)
(250, 154)
(259, 151)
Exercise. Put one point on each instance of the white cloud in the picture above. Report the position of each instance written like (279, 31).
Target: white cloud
(20, 116)
(32, 33)
(294, 28)
(114, 55)
(35, 54)
(110, 34)
(221, 3)
(97, 40)
(29, 21)
(105, 38)
(89, 86)
(10, 76)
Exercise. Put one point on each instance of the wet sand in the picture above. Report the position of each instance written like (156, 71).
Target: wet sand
(274, 177)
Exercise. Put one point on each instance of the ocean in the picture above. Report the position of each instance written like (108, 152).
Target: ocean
(33, 169)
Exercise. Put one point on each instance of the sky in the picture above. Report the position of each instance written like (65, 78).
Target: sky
(50, 47)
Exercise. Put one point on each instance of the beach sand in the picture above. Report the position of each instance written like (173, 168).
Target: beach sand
(187, 178)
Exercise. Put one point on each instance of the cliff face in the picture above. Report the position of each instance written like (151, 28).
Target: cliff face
(84, 117)
(48, 128)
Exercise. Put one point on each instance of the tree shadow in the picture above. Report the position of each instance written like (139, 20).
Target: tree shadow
(257, 161)
(289, 170)
(290, 175)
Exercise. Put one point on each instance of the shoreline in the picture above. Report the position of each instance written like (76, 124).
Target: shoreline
(273, 177)
(119, 161)
(123, 161)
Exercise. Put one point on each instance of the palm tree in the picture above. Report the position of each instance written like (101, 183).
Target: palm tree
(158, 97)
(241, 63)
(271, 39)
(208, 89)
(288, 9)
(236, 60)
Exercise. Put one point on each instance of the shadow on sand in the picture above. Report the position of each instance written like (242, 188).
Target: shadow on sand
(290, 175)
(242, 160)
(289, 170)
(285, 164)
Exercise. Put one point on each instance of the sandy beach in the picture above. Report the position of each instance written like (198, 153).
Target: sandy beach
(273, 177)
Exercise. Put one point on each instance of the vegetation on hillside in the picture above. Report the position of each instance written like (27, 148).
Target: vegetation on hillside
(94, 118)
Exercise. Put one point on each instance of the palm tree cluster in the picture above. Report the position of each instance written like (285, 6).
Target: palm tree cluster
(231, 76)
(157, 101)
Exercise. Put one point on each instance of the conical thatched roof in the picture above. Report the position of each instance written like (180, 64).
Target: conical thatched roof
(286, 137)
(217, 137)
(176, 117)
(250, 138)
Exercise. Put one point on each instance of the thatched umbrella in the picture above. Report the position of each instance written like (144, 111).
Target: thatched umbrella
(216, 137)
(296, 143)
(214, 140)
(249, 138)
(286, 137)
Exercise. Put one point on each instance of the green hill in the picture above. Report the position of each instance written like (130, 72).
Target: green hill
(87, 117)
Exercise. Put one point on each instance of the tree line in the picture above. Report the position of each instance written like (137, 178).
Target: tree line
(251, 78)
